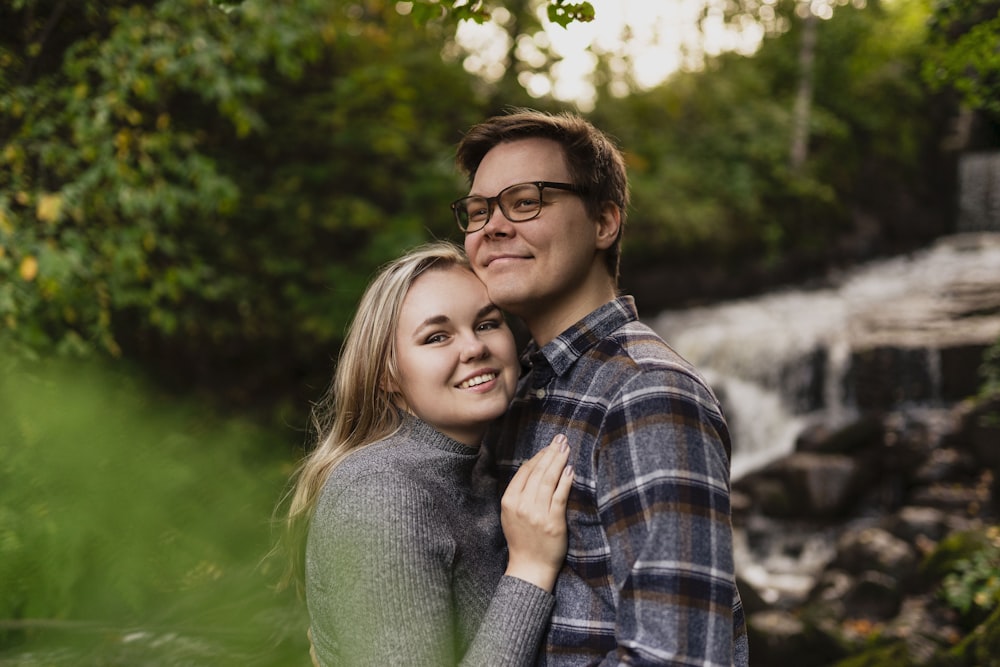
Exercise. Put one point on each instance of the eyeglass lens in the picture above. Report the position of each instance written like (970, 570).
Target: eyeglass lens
(518, 203)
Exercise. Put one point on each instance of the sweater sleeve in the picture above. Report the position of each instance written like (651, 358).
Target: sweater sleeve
(379, 585)
(511, 632)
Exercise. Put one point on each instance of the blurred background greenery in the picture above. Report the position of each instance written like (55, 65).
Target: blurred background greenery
(194, 192)
(134, 526)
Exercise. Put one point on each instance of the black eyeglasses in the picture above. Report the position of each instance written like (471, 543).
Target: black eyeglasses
(518, 203)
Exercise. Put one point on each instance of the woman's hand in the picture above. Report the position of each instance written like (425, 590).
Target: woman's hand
(533, 515)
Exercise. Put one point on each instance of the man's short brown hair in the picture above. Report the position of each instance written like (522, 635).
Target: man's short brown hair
(595, 163)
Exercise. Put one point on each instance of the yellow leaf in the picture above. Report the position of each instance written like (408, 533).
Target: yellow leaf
(29, 268)
(49, 207)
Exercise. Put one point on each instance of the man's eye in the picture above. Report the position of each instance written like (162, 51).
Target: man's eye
(526, 204)
(476, 211)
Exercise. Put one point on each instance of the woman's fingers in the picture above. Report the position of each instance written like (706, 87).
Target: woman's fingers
(533, 515)
(560, 497)
(537, 479)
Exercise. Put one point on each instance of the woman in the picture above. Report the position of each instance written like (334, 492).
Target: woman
(404, 559)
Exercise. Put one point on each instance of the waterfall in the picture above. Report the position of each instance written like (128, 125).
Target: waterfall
(782, 360)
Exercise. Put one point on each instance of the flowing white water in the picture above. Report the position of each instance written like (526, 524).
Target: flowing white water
(778, 360)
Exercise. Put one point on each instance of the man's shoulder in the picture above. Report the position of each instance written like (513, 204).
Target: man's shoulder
(634, 360)
(637, 346)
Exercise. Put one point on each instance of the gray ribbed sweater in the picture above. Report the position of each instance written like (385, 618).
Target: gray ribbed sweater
(405, 561)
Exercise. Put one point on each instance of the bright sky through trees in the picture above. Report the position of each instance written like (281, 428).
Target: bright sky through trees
(645, 39)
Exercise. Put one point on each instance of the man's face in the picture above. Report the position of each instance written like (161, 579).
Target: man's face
(540, 266)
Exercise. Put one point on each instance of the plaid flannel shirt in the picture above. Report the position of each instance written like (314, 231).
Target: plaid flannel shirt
(649, 576)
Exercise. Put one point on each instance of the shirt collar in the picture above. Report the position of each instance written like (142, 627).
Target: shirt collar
(563, 351)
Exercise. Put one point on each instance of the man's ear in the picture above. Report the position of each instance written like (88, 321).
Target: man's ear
(609, 224)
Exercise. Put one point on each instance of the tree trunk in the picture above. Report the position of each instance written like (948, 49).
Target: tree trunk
(803, 96)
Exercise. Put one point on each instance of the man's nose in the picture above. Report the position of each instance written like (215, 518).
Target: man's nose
(497, 223)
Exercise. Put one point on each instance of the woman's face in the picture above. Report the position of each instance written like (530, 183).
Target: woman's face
(457, 359)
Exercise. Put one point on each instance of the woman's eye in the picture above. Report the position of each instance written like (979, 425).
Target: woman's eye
(436, 338)
(489, 325)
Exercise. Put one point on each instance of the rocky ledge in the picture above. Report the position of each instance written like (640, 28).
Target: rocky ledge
(862, 542)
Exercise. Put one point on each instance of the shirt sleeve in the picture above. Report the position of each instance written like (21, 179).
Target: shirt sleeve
(379, 586)
(662, 477)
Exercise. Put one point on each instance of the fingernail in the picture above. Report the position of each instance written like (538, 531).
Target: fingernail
(568, 470)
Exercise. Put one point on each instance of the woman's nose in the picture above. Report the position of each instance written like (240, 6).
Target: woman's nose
(473, 347)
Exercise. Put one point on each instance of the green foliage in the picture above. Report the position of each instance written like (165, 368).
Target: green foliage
(972, 587)
(204, 187)
(208, 187)
(709, 150)
(889, 655)
(561, 12)
(964, 56)
(133, 528)
(703, 151)
(980, 648)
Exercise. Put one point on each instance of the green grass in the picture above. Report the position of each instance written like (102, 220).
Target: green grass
(134, 527)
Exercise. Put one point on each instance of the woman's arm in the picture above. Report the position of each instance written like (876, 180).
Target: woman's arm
(379, 575)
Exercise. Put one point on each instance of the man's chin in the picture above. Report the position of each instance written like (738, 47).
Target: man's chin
(504, 295)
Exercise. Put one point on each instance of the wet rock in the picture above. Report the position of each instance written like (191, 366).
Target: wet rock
(862, 433)
(779, 638)
(821, 485)
(959, 368)
(875, 549)
(945, 464)
(979, 430)
(979, 190)
(885, 376)
(873, 596)
(768, 495)
(913, 524)
(924, 626)
(831, 587)
(955, 498)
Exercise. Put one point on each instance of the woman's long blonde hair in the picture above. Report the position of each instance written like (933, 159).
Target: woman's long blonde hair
(358, 409)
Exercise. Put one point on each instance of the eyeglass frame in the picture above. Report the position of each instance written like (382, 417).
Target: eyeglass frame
(494, 202)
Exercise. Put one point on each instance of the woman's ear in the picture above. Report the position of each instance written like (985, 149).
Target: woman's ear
(609, 224)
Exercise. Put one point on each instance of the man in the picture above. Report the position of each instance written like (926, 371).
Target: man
(649, 576)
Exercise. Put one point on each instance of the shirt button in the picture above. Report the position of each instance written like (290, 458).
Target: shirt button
(540, 393)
